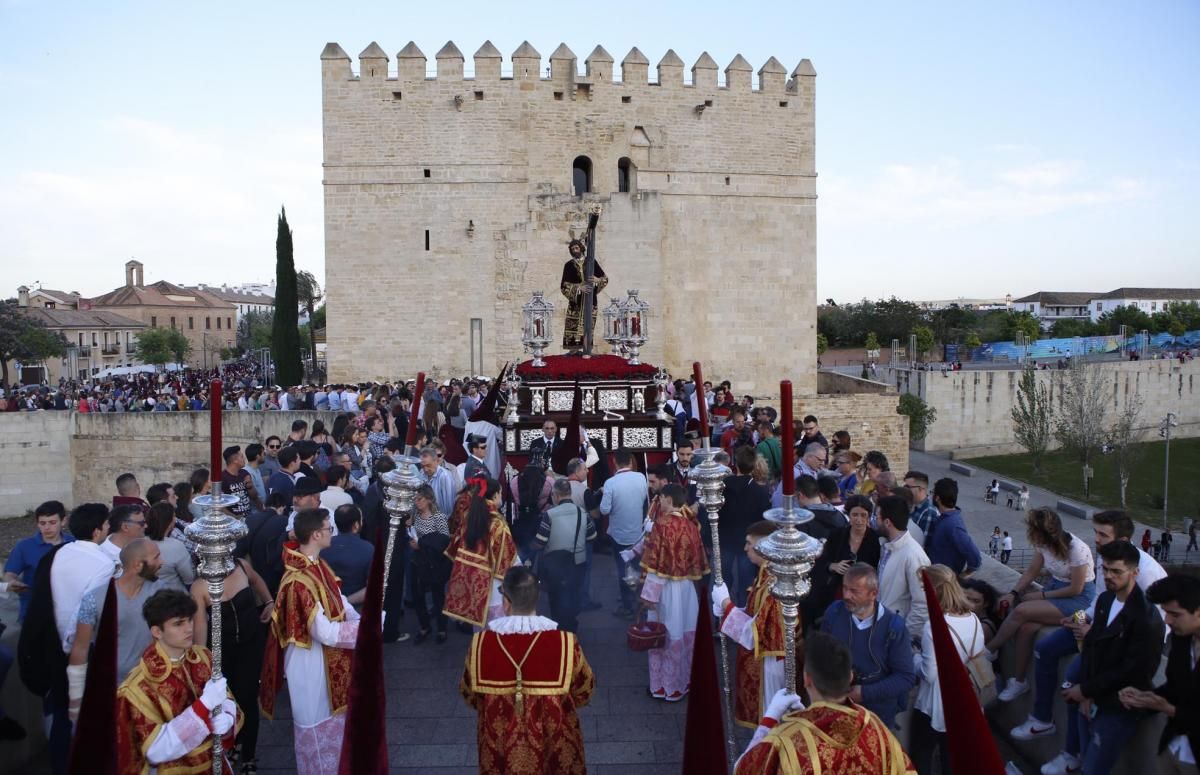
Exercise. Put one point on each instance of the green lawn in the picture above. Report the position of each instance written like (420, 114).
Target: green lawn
(1063, 475)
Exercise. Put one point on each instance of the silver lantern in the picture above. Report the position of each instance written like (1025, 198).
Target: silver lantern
(614, 332)
(400, 489)
(661, 380)
(634, 312)
(535, 331)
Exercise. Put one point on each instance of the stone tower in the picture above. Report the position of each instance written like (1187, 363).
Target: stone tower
(450, 199)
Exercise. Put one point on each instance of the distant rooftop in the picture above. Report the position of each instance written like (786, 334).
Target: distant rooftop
(1059, 298)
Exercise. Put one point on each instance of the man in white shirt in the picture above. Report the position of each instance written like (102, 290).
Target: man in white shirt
(335, 494)
(126, 523)
(79, 567)
(900, 562)
(350, 400)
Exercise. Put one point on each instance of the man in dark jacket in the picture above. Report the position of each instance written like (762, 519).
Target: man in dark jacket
(1121, 649)
(878, 641)
(745, 503)
(1179, 698)
(826, 518)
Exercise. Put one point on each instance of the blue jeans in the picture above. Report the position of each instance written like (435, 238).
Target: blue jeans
(738, 573)
(1048, 652)
(1101, 739)
(626, 596)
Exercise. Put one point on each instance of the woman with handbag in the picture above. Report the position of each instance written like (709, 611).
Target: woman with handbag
(674, 560)
(429, 538)
(928, 736)
(481, 553)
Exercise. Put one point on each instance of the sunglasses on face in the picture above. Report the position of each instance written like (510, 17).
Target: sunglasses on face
(272, 446)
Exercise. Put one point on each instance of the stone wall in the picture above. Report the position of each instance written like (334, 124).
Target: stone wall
(974, 406)
(35, 460)
(870, 419)
(473, 176)
(76, 458)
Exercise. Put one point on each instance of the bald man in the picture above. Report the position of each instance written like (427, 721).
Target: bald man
(140, 561)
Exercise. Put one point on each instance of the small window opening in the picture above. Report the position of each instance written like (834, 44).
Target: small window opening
(727, 180)
(626, 176)
(558, 95)
(583, 91)
(581, 175)
(426, 172)
(397, 95)
(708, 103)
(478, 95)
(427, 239)
(627, 99)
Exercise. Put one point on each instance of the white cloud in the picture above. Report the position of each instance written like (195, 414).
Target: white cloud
(951, 191)
(193, 205)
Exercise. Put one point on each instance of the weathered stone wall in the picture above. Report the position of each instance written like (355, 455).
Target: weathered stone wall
(76, 458)
(35, 459)
(974, 407)
(870, 419)
(455, 195)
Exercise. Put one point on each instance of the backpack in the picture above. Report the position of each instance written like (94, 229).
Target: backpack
(40, 657)
(979, 670)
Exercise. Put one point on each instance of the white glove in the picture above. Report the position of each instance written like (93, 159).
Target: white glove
(221, 723)
(782, 702)
(382, 620)
(76, 678)
(627, 555)
(214, 693)
(720, 596)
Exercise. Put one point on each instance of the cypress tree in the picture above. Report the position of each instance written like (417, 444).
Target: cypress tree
(285, 338)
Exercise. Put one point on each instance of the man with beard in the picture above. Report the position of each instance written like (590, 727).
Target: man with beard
(140, 561)
(573, 287)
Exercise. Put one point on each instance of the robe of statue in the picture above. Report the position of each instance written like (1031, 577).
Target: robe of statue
(827, 739)
(158, 715)
(538, 734)
(759, 632)
(572, 287)
(673, 561)
(312, 633)
(473, 592)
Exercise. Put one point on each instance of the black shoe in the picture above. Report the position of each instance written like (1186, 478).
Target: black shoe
(11, 730)
(441, 637)
(420, 637)
(250, 767)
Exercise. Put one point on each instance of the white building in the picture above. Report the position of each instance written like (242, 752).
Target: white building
(248, 297)
(1051, 306)
(1148, 300)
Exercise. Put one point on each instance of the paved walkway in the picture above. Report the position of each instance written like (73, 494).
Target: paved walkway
(431, 729)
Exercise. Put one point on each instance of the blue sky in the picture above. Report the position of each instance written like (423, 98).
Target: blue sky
(963, 149)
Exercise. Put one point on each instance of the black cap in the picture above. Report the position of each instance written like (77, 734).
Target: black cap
(308, 485)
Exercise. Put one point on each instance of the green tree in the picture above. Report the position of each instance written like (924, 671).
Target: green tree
(1132, 318)
(972, 340)
(285, 340)
(157, 346)
(308, 293)
(924, 335)
(1068, 328)
(1032, 417)
(1176, 328)
(23, 338)
(254, 330)
(872, 341)
(822, 344)
(1023, 323)
(952, 323)
(921, 416)
(318, 318)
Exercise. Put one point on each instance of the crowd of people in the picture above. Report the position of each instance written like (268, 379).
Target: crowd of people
(477, 550)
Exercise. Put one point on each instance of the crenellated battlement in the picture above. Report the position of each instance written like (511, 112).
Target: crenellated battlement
(562, 68)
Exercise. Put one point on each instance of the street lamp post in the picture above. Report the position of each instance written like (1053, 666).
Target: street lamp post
(1164, 430)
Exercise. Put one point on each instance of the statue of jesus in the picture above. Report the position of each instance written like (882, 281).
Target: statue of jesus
(573, 287)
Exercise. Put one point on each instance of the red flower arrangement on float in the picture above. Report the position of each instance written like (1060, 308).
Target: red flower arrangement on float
(570, 367)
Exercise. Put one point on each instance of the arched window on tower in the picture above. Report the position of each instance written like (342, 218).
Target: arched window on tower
(581, 175)
(626, 176)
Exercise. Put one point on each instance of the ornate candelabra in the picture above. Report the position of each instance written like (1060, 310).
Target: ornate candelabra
(512, 383)
(790, 553)
(215, 534)
(710, 485)
(535, 332)
(400, 488)
(633, 315)
(614, 333)
(661, 380)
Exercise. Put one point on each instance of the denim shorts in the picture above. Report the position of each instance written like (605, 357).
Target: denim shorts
(1069, 605)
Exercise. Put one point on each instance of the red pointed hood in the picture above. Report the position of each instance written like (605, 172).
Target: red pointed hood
(364, 745)
(94, 747)
(570, 446)
(972, 747)
(486, 411)
(704, 734)
(455, 453)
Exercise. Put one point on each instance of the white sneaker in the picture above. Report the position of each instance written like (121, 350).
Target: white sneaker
(1033, 728)
(1062, 764)
(1013, 689)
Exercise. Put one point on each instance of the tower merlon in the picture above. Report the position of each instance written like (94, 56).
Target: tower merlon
(599, 65)
(335, 62)
(670, 69)
(527, 63)
(704, 72)
(449, 62)
(772, 77)
(487, 62)
(562, 65)
(410, 63)
(739, 74)
(635, 68)
(373, 63)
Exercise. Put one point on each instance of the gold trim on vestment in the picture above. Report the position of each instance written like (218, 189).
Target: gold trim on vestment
(560, 685)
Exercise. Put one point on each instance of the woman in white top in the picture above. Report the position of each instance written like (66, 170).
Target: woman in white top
(177, 571)
(1072, 587)
(928, 721)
